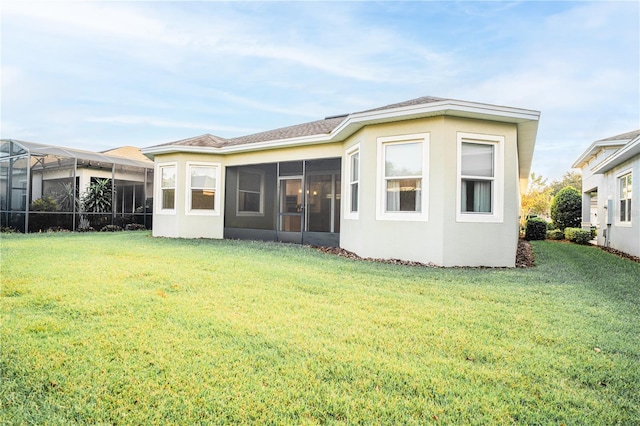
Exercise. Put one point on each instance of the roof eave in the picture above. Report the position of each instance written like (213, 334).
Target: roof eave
(630, 150)
(593, 149)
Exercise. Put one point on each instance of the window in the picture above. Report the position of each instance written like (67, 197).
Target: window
(479, 178)
(353, 173)
(202, 196)
(624, 185)
(167, 194)
(478, 174)
(403, 170)
(250, 184)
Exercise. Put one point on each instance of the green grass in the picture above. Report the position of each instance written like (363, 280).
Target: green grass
(123, 328)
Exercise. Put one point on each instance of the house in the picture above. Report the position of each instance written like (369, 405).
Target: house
(611, 192)
(430, 180)
(31, 171)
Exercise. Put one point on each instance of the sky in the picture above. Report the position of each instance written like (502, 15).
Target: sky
(98, 75)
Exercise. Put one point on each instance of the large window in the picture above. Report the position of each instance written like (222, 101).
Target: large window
(353, 189)
(167, 174)
(250, 189)
(479, 178)
(403, 170)
(624, 193)
(202, 196)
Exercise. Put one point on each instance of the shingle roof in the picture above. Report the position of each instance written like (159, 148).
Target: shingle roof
(417, 101)
(624, 136)
(318, 127)
(205, 140)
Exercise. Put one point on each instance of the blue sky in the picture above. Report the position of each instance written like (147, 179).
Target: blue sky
(97, 75)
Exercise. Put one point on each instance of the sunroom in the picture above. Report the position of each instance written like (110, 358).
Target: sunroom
(292, 201)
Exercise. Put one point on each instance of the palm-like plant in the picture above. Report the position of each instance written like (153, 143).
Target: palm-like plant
(97, 198)
(66, 197)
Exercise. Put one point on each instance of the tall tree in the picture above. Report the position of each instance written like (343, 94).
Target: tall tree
(573, 179)
(537, 199)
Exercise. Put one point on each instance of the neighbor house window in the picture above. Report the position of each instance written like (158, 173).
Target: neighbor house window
(353, 189)
(624, 185)
(167, 198)
(479, 177)
(250, 187)
(403, 183)
(202, 196)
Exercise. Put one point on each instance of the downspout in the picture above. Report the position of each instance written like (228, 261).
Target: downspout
(27, 200)
(113, 191)
(75, 191)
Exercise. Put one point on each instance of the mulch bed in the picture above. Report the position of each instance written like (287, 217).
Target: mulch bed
(620, 254)
(524, 256)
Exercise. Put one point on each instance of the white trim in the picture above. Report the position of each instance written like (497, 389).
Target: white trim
(381, 213)
(158, 189)
(217, 194)
(618, 177)
(497, 195)
(348, 213)
(261, 173)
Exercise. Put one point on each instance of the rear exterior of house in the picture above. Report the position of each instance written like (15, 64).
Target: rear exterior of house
(430, 180)
(610, 191)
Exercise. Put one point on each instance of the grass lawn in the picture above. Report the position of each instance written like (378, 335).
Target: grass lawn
(122, 328)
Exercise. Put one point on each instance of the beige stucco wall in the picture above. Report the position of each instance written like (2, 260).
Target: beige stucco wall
(441, 239)
(180, 224)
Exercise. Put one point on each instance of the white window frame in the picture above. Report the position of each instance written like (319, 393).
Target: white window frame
(497, 191)
(217, 197)
(349, 213)
(619, 177)
(249, 213)
(158, 191)
(381, 188)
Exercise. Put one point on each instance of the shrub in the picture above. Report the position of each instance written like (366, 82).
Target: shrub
(577, 235)
(566, 208)
(84, 225)
(111, 228)
(536, 229)
(135, 227)
(46, 204)
(555, 234)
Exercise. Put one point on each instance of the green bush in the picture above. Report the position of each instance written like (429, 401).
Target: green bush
(555, 234)
(536, 229)
(577, 235)
(46, 204)
(111, 228)
(135, 227)
(566, 208)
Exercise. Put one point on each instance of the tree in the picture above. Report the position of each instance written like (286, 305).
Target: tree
(573, 179)
(566, 208)
(537, 199)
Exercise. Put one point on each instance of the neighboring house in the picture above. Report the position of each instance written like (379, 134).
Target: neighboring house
(430, 180)
(31, 171)
(611, 192)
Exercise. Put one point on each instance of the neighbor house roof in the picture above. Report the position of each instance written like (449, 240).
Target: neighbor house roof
(612, 142)
(338, 128)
